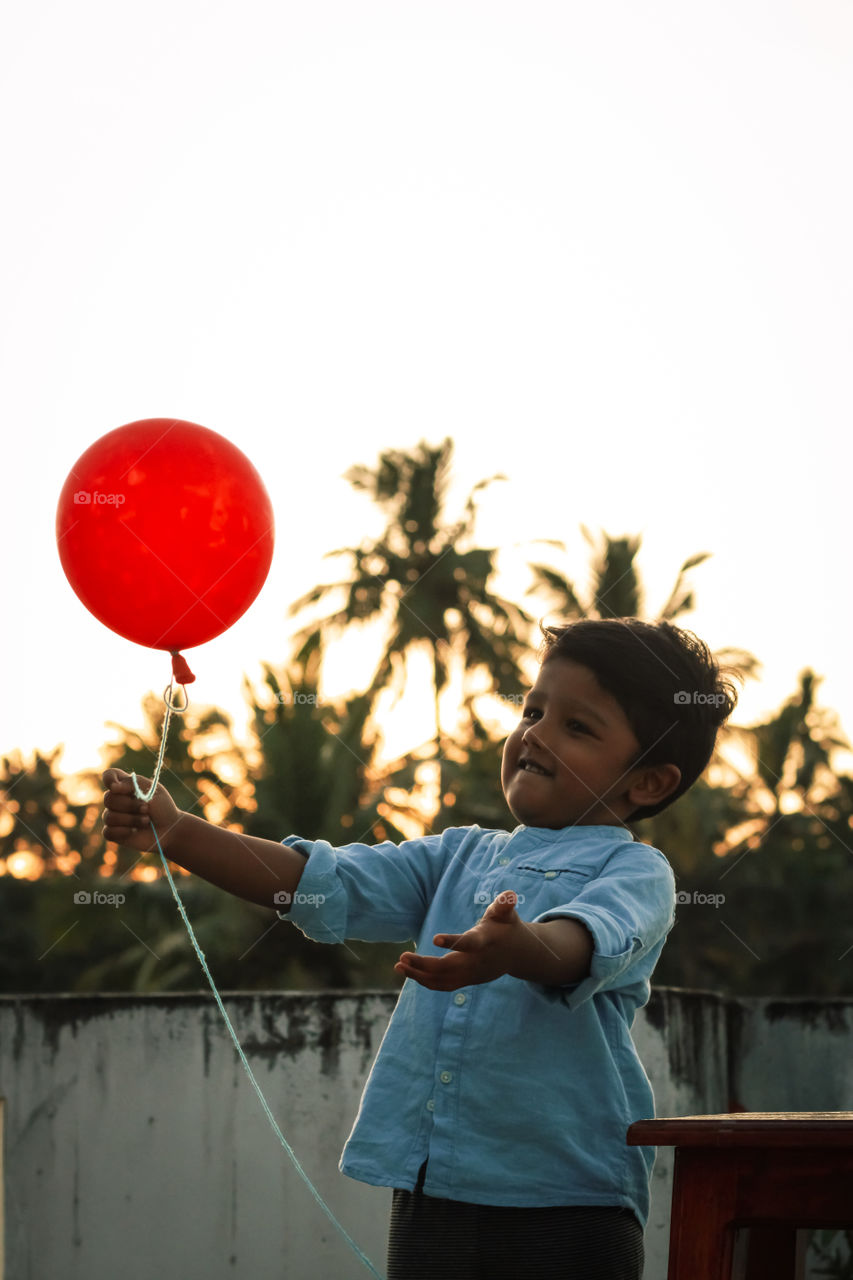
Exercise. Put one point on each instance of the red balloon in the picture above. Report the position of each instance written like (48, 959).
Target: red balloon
(165, 531)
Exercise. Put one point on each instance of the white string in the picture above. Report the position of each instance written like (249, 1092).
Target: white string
(170, 707)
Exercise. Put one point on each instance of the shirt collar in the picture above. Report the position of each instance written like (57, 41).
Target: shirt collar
(594, 833)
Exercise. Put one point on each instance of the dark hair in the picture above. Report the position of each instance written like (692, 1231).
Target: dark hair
(673, 692)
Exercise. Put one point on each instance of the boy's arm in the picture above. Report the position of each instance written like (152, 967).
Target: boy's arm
(247, 866)
(553, 952)
(592, 942)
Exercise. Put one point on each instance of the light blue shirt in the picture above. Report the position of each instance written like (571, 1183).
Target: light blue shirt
(515, 1093)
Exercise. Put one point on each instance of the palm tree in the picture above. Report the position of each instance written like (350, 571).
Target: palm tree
(426, 580)
(793, 749)
(37, 815)
(783, 869)
(617, 591)
(315, 774)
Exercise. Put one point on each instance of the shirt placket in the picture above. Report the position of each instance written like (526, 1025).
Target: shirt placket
(448, 1127)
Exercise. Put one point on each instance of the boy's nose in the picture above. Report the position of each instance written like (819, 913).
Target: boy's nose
(533, 733)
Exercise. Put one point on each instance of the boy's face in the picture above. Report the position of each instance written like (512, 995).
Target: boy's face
(570, 760)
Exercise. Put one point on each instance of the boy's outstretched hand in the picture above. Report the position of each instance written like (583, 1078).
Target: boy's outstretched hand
(479, 955)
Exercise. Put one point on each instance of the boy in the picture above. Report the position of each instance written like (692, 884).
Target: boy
(498, 1114)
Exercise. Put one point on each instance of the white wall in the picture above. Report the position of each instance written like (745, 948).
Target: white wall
(135, 1146)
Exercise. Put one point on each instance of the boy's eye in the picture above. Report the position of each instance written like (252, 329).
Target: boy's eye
(577, 726)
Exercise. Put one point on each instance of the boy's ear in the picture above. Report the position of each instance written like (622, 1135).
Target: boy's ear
(654, 784)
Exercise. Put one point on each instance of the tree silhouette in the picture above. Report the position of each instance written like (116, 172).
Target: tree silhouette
(782, 866)
(616, 589)
(38, 817)
(793, 748)
(426, 581)
(314, 769)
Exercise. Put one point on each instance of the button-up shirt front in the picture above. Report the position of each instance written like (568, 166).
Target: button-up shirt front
(515, 1093)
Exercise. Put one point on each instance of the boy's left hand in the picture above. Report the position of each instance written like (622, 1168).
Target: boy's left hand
(479, 955)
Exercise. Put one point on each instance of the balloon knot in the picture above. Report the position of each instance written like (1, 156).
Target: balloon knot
(180, 670)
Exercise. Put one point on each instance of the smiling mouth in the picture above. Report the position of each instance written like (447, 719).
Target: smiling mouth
(530, 766)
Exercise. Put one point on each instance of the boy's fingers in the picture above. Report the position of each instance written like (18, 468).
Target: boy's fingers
(427, 977)
(439, 970)
(425, 964)
(122, 788)
(111, 776)
(503, 905)
(124, 822)
(123, 803)
(119, 788)
(120, 783)
(120, 835)
(442, 975)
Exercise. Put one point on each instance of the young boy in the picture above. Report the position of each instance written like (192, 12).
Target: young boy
(498, 1113)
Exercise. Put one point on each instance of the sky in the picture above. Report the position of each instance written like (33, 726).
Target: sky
(606, 248)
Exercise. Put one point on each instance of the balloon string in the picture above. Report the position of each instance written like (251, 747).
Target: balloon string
(171, 706)
(287, 1147)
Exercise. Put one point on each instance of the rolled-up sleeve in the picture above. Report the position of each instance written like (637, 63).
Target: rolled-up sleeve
(629, 909)
(376, 893)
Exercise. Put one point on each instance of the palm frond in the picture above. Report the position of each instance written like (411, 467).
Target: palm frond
(681, 597)
(553, 583)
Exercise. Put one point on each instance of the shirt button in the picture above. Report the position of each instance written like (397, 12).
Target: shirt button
(503, 862)
(460, 997)
(549, 875)
(446, 1077)
(431, 1105)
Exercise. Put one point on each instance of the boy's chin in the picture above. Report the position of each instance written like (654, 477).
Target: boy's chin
(532, 818)
(534, 815)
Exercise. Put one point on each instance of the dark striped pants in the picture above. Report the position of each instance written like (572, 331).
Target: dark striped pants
(433, 1239)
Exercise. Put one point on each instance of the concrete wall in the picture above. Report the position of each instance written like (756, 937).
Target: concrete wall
(134, 1145)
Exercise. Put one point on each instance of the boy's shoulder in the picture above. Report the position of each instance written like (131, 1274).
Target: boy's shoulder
(472, 836)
